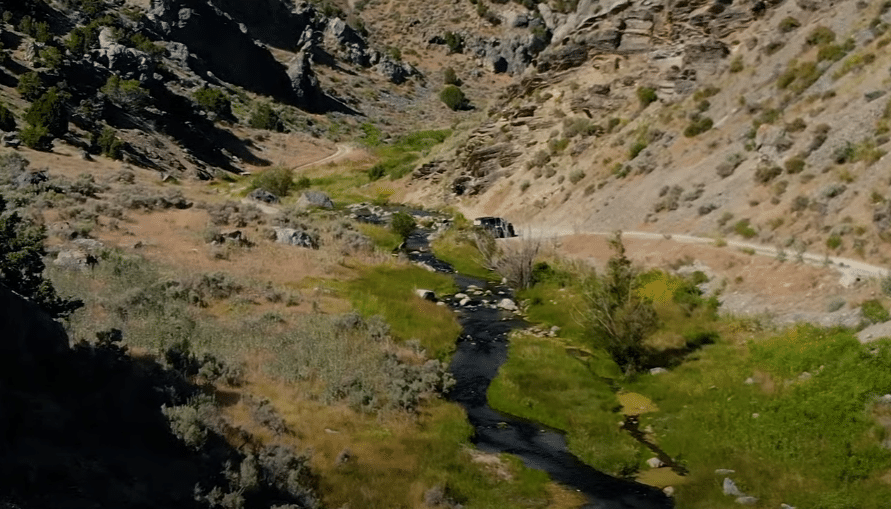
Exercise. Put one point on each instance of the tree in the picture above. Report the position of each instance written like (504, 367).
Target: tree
(450, 77)
(30, 85)
(266, 118)
(618, 317)
(36, 136)
(453, 97)
(49, 110)
(21, 264)
(213, 101)
(403, 224)
(7, 119)
(126, 93)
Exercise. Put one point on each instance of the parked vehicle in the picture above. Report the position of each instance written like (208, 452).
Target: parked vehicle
(499, 227)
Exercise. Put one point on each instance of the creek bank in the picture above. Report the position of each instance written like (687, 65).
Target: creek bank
(480, 351)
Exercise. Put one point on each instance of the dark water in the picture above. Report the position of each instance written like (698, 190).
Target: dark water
(481, 350)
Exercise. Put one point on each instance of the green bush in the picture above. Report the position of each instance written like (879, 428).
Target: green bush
(128, 94)
(7, 119)
(834, 242)
(736, 65)
(51, 57)
(789, 24)
(794, 165)
(143, 43)
(799, 77)
(265, 117)
(109, 143)
(744, 229)
(36, 137)
(82, 39)
(49, 110)
(766, 173)
(377, 172)
(213, 100)
(30, 85)
(698, 126)
(449, 77)
(454, 41)
(403, 224)
(636, 148)
(453, 97)
(278, 180)
(874, 311)
(646, 96)
(820, 36)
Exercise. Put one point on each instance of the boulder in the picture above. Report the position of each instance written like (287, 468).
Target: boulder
(294, 237)
(31, 178)
(263, 195)
(654, 463)
(724, 471)
(746, 500)
(730, 488)
(426, 294)
(658, 371)
(315, 199)
(74, 259)
(507, 305)
(128, 63)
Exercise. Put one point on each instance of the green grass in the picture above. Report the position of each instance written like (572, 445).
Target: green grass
(389, 291)
(455, 248)
(396, 159)
(540, 381)
(813, 443)
(383, 237)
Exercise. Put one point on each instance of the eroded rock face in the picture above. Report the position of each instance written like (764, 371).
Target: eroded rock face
(128, 63)
(221, 47)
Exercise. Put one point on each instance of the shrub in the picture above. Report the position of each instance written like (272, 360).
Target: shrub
(454, 41)
(636, 148)
(576, 176)
(874, 311)
(7, 119)
(619, 318)
(449, 77)
(30, 85)
(82, 39)
(278, 180)
(36, 137)
(789, 24)
(744, 229)
(799, 77)
(213, 100)
(51, 57)
(49, 111)
(109, 143)
(142, 43)
(128, 94)
(21, 264)
(736, 65)
(265, 117)
(646, 96)
(403, 224)
(377, 172)
(766, 173)
(453, 97)
(727, 168)
(834, 242)
(794, 165)
(820, 36)
(698, 126)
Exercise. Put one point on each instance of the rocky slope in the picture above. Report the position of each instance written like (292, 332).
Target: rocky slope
(603, 129)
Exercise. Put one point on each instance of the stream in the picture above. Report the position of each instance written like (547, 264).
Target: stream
(481, 350)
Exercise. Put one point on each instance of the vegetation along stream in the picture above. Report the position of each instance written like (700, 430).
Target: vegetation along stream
(481, 350)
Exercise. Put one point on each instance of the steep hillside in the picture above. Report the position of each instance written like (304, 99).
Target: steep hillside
(767, 121)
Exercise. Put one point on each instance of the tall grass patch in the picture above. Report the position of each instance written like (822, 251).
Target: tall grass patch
(457, 248)
(389, 291)
(800, 431)
(540, 381)
(397, 158)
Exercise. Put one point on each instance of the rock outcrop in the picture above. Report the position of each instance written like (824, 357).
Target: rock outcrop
(220, 46)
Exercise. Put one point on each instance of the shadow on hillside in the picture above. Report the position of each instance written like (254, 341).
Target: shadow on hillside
(83, 427)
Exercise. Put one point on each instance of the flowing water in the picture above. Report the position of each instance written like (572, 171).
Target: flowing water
(480, 352)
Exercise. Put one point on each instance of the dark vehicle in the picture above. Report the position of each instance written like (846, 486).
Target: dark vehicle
(499, 227)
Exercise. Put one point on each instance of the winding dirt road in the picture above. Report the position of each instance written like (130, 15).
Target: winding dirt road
(851, 270)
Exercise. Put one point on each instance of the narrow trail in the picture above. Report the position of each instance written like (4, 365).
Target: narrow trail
(343, 149)
(851, 270)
